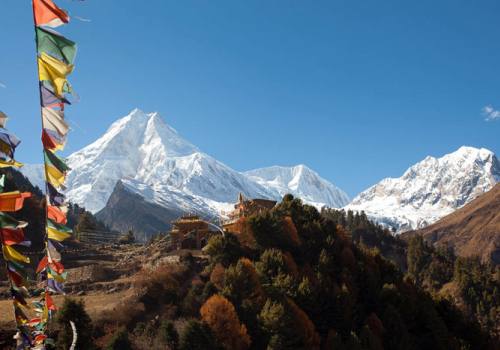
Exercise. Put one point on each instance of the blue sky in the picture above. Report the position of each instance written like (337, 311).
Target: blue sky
(357, 90)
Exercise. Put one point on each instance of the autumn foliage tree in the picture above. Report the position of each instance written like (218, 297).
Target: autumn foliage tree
(220, 315)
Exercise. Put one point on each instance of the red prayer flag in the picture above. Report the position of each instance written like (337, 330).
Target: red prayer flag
(57, 267)
(42, 265)
(51, 142)
(16, 279)
(49, 302)
(48, 14)
(11, 236)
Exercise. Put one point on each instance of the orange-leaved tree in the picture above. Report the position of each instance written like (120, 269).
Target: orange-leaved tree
(219, 314)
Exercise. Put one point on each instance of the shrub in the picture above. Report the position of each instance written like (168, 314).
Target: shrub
(224, 249)
(74, 311)
(168, 334)
(119, 341)
(197, 336)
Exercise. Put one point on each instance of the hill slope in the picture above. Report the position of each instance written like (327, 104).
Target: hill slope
(473, 230)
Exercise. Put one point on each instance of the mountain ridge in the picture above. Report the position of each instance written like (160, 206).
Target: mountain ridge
(148, 158)
(430, 189)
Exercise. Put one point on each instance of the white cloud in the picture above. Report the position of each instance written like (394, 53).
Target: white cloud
(491, 113)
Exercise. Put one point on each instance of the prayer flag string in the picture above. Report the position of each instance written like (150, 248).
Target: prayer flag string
(55, 59)
(12, 238)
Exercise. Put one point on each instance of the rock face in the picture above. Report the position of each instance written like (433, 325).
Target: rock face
(127, 210)
(473, 230)
(430, 189)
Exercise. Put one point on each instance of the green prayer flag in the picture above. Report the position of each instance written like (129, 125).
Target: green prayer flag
(7, 221)
(59, 227)
(2, 183)
(56, 161)
(55, 45)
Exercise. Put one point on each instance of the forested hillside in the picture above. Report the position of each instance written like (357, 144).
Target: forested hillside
(295, 280)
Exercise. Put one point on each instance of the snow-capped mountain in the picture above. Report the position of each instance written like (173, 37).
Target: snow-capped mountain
(430, 189)
(151, 160)
(143, 148)
(302, 182)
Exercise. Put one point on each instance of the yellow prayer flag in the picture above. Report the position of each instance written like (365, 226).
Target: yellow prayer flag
(11, 254)
(54, 71)
(57, 235)
(9, 163)
(54, 176)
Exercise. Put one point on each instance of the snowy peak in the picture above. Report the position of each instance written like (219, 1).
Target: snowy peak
(430, 189)
(302, 182)
(141, 148)
(132, 147)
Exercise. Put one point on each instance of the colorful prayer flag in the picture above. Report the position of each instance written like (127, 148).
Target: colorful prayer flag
(55, 44)
(54, 120)
(51, 140)
(11, 254)
(54, 176)
(54, 160)
(3, 119)
(50, 99)
(57, 235)
(48, 14)
(55, 198)
(56, 214)
(55, 72)
(11, 236)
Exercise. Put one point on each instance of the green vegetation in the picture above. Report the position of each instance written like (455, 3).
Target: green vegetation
(74, 311)
(475, 284)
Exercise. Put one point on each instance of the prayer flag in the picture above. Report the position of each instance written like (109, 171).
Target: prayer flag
(7, 221)
(54, 120)
(54, 176)
(55, 44)
(8, 138)
(11, 236)
(54, 286)
(16, 279)
(55, 72)
(48, 14)
(50, 99)
(3, 119)
(52, 140)
(52, 253)
(11, 254)
(55, 198)
(57, 235)
(56, 214)
(12, 201)
(54, 160)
